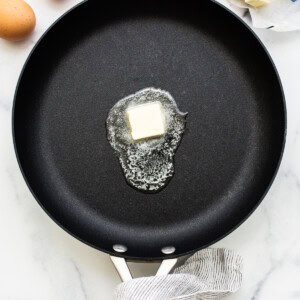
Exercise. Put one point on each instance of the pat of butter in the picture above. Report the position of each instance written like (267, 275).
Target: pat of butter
(146, 120)
(257, 3)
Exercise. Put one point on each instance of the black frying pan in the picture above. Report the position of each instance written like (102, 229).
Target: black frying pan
(216, 69)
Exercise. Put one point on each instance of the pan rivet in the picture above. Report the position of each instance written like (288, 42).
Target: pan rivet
(120, 248)
(168, 250)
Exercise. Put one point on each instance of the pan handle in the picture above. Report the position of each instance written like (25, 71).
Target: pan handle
(123, 270)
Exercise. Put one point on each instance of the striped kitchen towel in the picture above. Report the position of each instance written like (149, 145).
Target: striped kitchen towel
(208, 274)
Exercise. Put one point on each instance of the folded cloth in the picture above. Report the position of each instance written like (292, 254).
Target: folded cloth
(278, 15)
(208, 274)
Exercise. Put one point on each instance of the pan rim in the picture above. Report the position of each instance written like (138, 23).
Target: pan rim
(175, 255)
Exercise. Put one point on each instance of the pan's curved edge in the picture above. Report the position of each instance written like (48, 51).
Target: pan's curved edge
(168, 256)
(284, 111)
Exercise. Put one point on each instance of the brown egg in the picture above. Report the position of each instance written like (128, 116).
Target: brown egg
(17, 19)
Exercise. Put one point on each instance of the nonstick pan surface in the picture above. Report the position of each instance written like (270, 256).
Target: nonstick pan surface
(217, 71)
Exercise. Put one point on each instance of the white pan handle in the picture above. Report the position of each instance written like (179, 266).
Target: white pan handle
(122, 268)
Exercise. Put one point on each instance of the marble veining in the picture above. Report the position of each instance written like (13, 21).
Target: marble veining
(80, 279)
(40, 261)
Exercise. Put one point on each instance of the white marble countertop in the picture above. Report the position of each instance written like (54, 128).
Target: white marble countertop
(38, 260)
